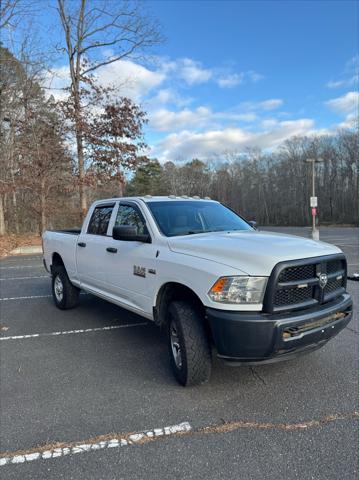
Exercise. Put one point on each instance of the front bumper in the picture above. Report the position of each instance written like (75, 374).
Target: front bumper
(246, 337)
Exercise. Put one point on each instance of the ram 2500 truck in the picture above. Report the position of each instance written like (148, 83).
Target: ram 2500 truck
(202, 272)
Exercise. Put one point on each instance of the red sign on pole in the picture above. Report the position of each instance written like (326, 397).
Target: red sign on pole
(314, 212)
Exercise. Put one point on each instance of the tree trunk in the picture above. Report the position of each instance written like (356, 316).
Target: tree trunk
(15, 210)
(121, 185)
(80, 149)
(2, 216)
(81, 165)
(43, 207)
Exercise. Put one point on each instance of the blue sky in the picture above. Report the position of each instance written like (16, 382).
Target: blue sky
(238, 74)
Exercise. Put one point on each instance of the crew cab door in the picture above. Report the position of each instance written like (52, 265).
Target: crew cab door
(91, 254)
(130, 272)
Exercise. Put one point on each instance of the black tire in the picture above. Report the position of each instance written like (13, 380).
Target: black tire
(70, 293)
(195, 365)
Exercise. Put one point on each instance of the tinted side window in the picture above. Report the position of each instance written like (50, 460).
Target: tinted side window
(128, 215)
(100, 220)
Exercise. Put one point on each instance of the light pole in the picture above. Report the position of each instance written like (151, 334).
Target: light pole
(313, 198)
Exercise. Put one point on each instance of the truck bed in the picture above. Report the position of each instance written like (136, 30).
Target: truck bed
(62, 243)
(70, 231)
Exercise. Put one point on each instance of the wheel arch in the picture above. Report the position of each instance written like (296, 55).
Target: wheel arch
(172, 291)
(56, 261)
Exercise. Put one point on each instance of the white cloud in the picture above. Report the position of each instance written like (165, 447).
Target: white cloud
(245, 117)
(137, 81)
(349, 77)
(167, 96)
(269, 123)
(348, 82)
(192, 72)
(347, 104)
(271, 104)
(254, 76)
(131, 79)
(231, 80)
(165, 120)
(189, 144)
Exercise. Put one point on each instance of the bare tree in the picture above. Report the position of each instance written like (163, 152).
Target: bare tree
(8, 12)
(11, 11)
(88, 28)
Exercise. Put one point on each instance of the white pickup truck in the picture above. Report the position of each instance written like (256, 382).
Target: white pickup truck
(207, 276)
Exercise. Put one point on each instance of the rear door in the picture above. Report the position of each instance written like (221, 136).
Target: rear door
(91, 247)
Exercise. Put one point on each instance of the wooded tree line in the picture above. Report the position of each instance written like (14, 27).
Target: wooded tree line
(272, 188)
(59, 156)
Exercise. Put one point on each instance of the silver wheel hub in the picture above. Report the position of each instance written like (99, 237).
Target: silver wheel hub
(175, 345)
(58, 289)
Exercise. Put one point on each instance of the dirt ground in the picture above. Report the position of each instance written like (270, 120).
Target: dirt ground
(9, 242)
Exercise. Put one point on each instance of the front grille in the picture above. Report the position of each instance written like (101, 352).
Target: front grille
(302, 272)
(293, 295)
(333, 285)
(334, 266)
(296, 285)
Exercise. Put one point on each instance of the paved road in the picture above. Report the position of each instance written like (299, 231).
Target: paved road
(293, 420)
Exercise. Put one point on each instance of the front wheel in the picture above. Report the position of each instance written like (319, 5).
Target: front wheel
(65, 294)
(188, 344)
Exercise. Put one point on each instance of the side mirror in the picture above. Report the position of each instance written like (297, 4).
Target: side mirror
(129, 233)
(254, 224)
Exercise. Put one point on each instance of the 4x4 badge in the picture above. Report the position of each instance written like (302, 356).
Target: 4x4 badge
(323, 279)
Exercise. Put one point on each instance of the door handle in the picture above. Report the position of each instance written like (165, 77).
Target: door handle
(111, 250)
(81, 244)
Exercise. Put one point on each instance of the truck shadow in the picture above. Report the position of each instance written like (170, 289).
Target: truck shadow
(150, 364)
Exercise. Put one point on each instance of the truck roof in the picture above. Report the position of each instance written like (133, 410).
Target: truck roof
(150, 198)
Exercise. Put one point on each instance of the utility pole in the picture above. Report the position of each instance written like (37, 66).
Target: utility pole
(313, 198)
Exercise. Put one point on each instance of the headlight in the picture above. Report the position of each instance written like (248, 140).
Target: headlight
(238, 290)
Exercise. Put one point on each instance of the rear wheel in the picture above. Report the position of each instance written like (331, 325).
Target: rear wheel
(65, 294)
(188, 344)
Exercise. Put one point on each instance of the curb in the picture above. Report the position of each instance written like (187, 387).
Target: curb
(26, 250)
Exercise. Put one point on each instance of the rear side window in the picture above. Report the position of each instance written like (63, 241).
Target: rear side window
(99, 220)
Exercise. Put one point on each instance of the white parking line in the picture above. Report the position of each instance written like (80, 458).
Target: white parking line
(23, 278)
(39, 265)
(115, 441)
(24, 298)
(31, 297)
(71, 332)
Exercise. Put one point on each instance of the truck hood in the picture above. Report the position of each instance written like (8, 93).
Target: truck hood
(251, 252)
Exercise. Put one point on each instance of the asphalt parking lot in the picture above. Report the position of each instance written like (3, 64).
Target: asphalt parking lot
(88, 394)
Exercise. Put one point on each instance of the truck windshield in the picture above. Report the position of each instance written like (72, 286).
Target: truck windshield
(191, 217)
